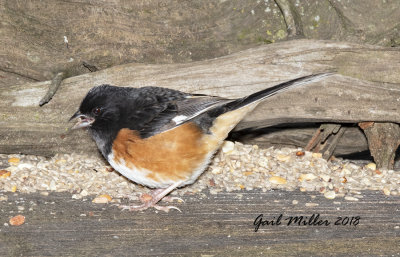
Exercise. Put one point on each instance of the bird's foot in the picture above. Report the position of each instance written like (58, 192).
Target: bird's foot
(151, 200)
(170, 199)
(143, 207)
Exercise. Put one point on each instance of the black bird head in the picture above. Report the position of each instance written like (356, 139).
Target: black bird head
(100, 112)
(100, 108)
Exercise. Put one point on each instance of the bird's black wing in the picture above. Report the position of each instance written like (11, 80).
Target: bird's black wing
(159, 109)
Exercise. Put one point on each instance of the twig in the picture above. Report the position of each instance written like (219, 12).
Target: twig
(55, 84)
(327, 152)
(90, 67)
(325, 139)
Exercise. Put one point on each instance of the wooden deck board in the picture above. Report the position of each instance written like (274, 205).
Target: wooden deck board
(216, 225)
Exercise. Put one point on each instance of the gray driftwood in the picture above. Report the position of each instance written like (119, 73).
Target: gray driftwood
(366, 88)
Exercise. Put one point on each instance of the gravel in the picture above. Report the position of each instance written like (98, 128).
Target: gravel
(235, 167)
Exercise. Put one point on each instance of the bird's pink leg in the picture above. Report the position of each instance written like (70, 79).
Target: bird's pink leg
(151, 200)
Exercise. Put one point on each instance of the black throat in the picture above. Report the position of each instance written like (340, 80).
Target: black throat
(104, 140)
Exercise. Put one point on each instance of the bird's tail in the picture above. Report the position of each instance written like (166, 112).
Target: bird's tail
(266, 93)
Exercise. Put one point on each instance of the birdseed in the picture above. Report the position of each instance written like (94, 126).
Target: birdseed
(236, 167)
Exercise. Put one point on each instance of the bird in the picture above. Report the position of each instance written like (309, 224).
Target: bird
(164, 138)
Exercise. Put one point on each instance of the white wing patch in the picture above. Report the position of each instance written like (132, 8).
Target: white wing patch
(179, 119)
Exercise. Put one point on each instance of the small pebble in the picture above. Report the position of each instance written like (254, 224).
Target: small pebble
(312, 204)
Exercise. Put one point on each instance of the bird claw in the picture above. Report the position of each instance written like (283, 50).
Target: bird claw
(170, 199)
(150, 201)
(146, 206)
(166, 208)
(133, 207)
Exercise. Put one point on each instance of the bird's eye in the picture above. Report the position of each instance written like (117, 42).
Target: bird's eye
(96, 111)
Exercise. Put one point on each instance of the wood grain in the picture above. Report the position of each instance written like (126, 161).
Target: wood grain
(365, 89)
(215, 225)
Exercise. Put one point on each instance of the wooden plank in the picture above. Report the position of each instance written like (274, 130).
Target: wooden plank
(360, 93)
(216, 225)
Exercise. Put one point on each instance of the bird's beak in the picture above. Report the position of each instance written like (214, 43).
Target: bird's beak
(83, 120)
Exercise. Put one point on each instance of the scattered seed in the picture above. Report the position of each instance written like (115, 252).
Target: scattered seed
(61, 161)
(325, 177)
(211, 182)
(283, 157)
(277, 180)
(317, 155)
(371, 166)
(350, 198)
(386, 191)
(308, 177)
(17, 220)
(330, 194)
(14, 160)
(102, 199)
(239, 167)
(228, 147)
(5, 173)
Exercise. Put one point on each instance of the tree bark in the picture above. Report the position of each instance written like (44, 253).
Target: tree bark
(366, 88)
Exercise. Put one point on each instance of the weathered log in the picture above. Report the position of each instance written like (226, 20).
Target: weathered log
(43, 38)
(383, 140)
(365, 89)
